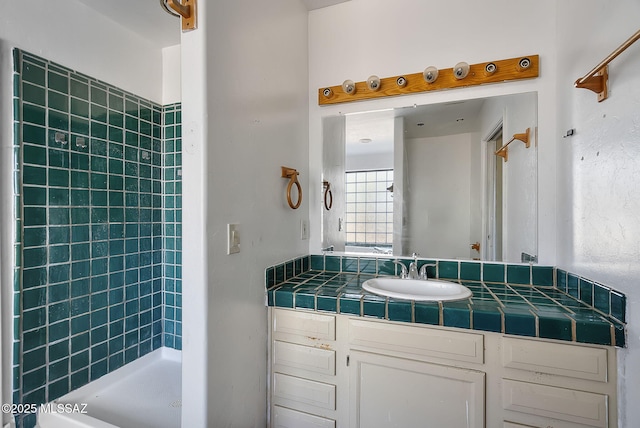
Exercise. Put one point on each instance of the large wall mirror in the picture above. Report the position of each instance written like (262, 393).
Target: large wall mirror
(426, 179)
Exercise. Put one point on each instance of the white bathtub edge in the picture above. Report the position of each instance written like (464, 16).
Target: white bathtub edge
(97, 385)
(80, 420)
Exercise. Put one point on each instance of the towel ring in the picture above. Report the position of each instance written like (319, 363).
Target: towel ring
(292, 175)
(327, 193)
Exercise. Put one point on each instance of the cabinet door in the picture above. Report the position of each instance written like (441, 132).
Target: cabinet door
(395, 392)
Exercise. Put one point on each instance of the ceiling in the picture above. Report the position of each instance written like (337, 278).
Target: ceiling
(147, 18)
(318, 4)
(436, 120)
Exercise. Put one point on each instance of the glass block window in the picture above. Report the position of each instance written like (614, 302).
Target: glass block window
(369, 207)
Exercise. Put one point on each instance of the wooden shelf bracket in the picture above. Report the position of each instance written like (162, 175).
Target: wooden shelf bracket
(503, 151)
(597, 79)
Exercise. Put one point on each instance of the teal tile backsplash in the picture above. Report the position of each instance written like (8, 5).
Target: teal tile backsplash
(98, 247)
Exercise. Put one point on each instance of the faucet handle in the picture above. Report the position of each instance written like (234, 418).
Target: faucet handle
(403, 272)
(423, 270)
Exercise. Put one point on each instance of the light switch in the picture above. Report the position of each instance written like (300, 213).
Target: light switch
(233, 238)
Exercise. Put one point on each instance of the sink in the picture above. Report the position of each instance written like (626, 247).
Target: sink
(432, 290)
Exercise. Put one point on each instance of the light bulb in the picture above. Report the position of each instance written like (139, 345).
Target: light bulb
(430, 74)
(349, 87)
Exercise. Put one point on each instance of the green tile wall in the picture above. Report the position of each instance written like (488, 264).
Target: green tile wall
(172, 212)
(98, 247)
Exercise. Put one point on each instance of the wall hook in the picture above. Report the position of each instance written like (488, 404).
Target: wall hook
(503, 151)
(187, 11)
(292, 175)
(60, 138)
(328, 196)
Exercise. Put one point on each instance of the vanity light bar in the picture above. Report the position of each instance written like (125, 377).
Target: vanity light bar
(526, 67)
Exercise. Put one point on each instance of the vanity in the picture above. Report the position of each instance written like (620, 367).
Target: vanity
(458, 183)
(342, 357)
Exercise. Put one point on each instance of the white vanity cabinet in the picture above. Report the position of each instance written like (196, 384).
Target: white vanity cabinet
(342, 371)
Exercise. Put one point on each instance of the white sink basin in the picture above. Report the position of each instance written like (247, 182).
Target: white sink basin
(417, 289)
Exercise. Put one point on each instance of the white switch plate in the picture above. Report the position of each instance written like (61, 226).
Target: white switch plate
(304, 229)
(233, 238)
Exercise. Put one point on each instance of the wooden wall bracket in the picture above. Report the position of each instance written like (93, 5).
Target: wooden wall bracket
(526, 67)
(503, 151)
(188, 13)
(597, 83)
(597, 80)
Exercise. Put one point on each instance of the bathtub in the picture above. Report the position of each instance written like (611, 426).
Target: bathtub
(144, 393)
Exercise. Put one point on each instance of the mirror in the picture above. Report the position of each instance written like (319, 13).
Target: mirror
(426, 179)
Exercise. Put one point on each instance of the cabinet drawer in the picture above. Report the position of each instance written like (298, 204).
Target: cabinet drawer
(554, 358)
(287, 418)
(310, 325)
(291, 355)
(512, 425)
(446, 344)
(304, 391)
(569, 405)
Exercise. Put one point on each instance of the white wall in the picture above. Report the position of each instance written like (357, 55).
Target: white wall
(599, 167)
(334, 162)
(520, 171)
(171, 75)
(245, 114)
(356, 39)
(439, 182)
(77, 37)
(7, 224)
(363, 162)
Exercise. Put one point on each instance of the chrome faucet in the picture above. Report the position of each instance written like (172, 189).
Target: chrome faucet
(413, 267)
(413, 272)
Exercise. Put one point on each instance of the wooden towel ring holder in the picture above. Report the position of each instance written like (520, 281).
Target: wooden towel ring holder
(328, 196)
(292, 175)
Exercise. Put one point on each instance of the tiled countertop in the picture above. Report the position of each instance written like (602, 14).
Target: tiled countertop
(504, 307)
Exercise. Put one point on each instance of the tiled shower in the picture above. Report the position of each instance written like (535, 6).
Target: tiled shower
(97, 278)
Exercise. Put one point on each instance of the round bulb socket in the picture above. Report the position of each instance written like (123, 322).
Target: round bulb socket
(524, 64)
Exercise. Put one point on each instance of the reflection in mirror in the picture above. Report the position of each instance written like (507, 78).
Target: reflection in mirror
(426, 179)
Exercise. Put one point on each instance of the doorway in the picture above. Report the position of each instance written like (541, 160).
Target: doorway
(494, 197)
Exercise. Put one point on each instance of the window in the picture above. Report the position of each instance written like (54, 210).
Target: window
(369, 207)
